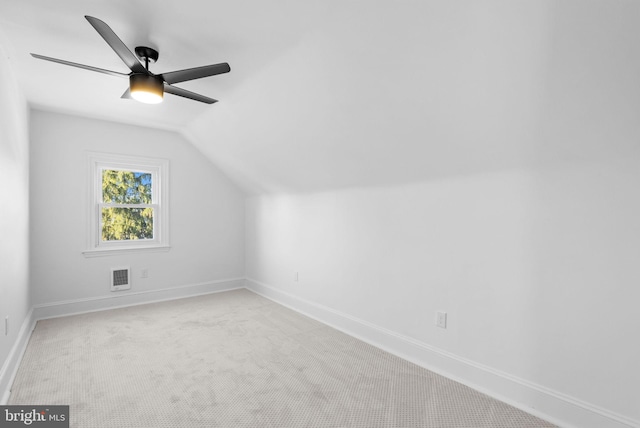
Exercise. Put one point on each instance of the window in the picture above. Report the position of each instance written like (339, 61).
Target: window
(128, 204)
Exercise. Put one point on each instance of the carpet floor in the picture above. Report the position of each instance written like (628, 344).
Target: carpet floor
(236, 359)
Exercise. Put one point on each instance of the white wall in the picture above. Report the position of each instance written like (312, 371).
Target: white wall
(516, 211)
(537, 269)
(206, 212)
(14, 217)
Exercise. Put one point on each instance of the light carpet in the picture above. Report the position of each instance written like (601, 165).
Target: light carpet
(236, 359)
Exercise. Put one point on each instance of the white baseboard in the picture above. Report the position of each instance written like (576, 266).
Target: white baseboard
(553, 406)
(12, 363)
(125, 298)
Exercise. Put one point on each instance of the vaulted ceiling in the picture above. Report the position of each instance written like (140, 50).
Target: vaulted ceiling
(330, 94)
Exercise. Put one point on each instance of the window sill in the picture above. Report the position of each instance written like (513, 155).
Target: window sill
(102, 252)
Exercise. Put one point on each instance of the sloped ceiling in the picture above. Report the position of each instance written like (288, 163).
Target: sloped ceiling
(332, 94)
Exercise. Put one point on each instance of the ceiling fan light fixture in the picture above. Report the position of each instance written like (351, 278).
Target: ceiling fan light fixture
(147, 89)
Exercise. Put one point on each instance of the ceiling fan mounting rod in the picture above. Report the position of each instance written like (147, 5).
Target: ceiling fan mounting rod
(146, 54)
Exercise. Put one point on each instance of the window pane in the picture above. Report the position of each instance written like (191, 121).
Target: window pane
(126, 187)
(123, 224)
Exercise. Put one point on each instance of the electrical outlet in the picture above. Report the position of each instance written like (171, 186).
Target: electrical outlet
(441, 319)
(144, 273)
(296, 278)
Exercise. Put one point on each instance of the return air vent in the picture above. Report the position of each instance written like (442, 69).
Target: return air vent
(120, 278)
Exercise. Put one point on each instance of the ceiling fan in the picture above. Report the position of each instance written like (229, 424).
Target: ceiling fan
(145, 86)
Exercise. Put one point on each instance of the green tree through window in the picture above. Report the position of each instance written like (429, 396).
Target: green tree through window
(127, 210)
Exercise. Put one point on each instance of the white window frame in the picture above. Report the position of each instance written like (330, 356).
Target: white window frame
(159, 170)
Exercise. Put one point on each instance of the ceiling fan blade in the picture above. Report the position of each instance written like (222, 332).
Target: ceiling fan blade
(117, 45)
(187, 94)
(86, 67)
(127, 94)
(195, 73)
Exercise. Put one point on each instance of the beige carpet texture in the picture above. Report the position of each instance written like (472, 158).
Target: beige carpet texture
(236, 359)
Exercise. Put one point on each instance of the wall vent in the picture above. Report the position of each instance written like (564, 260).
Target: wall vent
(120, 278)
